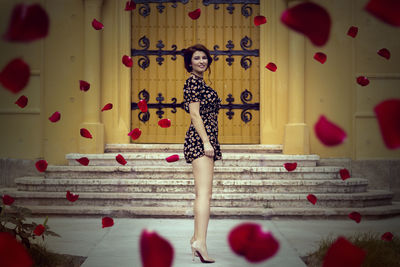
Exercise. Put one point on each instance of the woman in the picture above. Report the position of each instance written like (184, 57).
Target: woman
(201, 147)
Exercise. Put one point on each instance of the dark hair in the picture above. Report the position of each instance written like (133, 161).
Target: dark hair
(188, 53)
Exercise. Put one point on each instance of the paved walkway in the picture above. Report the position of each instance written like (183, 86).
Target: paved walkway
(118, 245)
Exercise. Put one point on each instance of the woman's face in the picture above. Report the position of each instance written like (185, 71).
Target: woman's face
(199, 62)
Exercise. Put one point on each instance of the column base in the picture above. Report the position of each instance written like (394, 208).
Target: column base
(96, 144)
(297, 139)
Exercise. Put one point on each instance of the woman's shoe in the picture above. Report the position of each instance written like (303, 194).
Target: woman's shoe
(193, 252)
(196, 250)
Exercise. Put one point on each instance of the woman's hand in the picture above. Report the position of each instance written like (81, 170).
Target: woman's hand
(208, 149)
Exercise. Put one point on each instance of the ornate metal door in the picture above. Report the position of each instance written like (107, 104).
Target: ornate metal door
(160, 30)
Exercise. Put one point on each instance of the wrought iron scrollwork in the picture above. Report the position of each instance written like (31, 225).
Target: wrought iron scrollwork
(144, 10)
(247, 11)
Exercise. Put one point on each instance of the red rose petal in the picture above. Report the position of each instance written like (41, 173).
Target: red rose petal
(121, 160)
(22, 101)
(107, 107)
(85, 133)
(107, 222)
(388, 236)
(355, 216)
(271, 66)
(386, 10)
(155, 251)
(195, 14)
(352, 31)
(384, 53)
(362, 80)
(83, 161)
(12, 252)
(127, 60)
(7, 200)
(97, 25)
(321, 57)
(15, 75)
(290, 166)
(388, 116)
(312, 198)
(84, 86)
(41, 165)
(248, 240)
(258, 20)
(130, 5)
(309, 19)
(343, 253)
(39, 230)
(135, 133)
(55, 117)
(329, 133)
(172, 158)
(71, 197)
(142, 105)
(164, 123)
(27, 23)
(344, 174)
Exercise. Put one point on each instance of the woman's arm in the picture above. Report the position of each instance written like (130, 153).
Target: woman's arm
(198, 124)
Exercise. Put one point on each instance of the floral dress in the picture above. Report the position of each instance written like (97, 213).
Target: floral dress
(196, 90)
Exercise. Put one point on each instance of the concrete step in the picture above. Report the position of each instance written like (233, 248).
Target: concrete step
(185, 172)
(249, 200)
(178, 148)
(187, 185)
(229, 159)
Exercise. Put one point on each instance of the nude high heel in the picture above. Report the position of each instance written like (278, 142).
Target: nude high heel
(196, 250)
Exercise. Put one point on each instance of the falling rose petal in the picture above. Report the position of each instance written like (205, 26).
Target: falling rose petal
(386, 10)
(309, 19)
(344, 174)
(352, 31)
(55, 117)
(28, 23)
(84, 86)
(384, 53)
(355, 216)
(388, 236)
(83, 161)
(22, 101)
(172, 158)
(130, 5)
(271, 66)
(312, 198)
(71, 197)
(12, 252)
(164, 123)
(7, 200)
(195, 14)
(15, 75)
(155, 251)
(107, 107)
(85, 133)
(39, 230)
(362, 80)
(142, 105)
(388, 116)
(97, 25)
(121, 160)
(127, 61)
(343, 253)
(329, 133)
(135, 133)
(107, 222)
(41, 165)
(259, 20)
(290, 166)
(248, 240)
(321, 57)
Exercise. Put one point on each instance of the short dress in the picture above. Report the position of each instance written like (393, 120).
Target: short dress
(196, 90)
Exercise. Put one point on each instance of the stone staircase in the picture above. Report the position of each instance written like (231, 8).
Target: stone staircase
(250, 181)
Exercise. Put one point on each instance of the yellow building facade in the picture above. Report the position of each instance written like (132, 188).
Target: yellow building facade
(290, 99)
